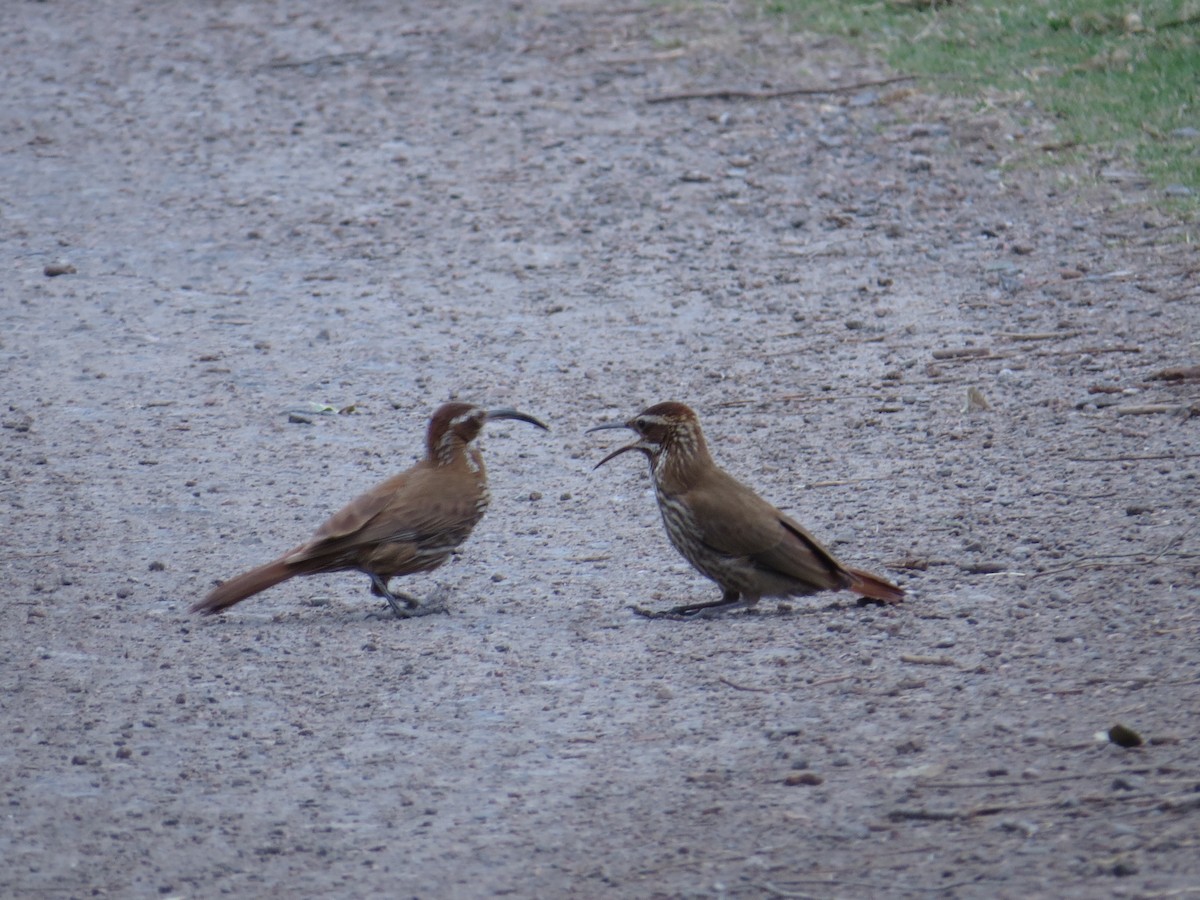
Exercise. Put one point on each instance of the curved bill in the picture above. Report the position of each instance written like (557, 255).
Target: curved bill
(607, 426)
(505, 412)
(634, 446)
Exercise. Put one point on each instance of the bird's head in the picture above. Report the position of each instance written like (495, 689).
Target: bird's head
(666, 432)
(455, 425)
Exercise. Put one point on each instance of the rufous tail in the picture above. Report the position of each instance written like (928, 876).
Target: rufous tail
(235, 590)
(873, 586)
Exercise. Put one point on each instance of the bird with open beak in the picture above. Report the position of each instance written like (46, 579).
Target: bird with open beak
(724, 529)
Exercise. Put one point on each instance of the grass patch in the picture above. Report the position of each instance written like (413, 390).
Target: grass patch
(1119, 77)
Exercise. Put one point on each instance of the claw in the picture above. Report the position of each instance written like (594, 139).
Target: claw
(658, 613)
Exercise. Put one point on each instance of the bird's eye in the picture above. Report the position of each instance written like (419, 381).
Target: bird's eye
(641, 424)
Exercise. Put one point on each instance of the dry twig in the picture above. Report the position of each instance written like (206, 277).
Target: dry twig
(733, 94)
(803, 398)
(743, 687)
(1092, 562)
(1154, 409)
(1089, 350)
(1132, 457)
(962, 353)
(831, 680)
(1049, 779)
(1038, 336)
(928, 660)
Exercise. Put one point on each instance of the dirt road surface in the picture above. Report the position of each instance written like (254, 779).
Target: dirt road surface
(936, 355)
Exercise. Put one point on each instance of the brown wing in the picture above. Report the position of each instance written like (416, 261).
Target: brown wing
(736, 521)
(356, 515)
(420, 507)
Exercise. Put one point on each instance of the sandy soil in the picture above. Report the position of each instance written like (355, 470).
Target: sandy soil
(271, 207)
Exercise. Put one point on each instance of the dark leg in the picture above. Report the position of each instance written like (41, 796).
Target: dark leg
(728, 600)
(405, 606)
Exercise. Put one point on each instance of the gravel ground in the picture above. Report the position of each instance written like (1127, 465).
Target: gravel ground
(264, 210)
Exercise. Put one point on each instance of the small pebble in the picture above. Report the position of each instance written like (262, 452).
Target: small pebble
(1124, 736)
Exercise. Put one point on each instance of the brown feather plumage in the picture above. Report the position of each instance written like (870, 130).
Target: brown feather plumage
(727, 531)
(237, 589)
(409, 523)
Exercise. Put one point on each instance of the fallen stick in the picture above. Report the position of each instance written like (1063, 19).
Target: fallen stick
(733, 94)
(962, 353)
(831, 680)
(1088, 350)
(928, 660)
(1132, 457)
(804, 398)
(742, 687)
(946, 785)
(1038, 335)
(1152, 409)
(1176, 373)
(1092, 562)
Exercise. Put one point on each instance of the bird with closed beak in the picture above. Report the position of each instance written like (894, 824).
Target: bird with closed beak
(724, 529)
(410, 523)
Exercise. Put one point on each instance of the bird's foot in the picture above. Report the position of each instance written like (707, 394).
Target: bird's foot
(730, 600)
(656, 613)
(874, 601)
(413, 612)
(681, 613)
(406, 606)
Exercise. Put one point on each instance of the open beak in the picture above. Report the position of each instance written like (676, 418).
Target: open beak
(618, 452)
(636, 445)
(505, 412)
